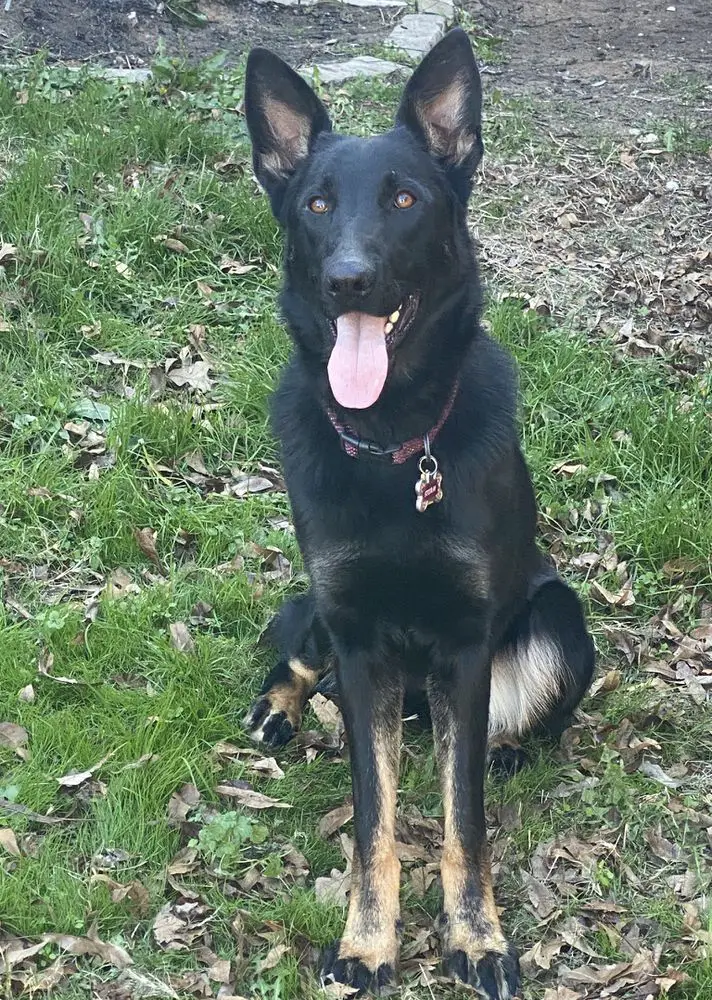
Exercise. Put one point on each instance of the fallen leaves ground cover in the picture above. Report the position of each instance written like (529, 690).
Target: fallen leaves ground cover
(146, 849)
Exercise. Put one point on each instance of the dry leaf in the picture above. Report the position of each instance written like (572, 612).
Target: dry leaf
(273, 958)
(181, 638)
(135, 892)
(248, 797)
(8, 253)
(109, 954)
(181, 803)
(45, 980)
(243, 483)
(542, 898)
(193, 375)
(567, 468)
(267, 766)
(145, 758)
(609, 682)
(195, 461)
(540, 956)
(334, 888)
(232, 267)
(76, 778)
(179, 924)
(561, 993)
(228, 751)
(614, 977)
(146, 541)
(8, 841)
(219, 971)
(123, 269)
(120, 584)
(177, 245)
(16, 952)
(27, 693)
(12, 735)
(656, 773)
(17, 809)
(422, 878)
(663, 848)
(623, 599)
(184, 862)
(339, 991)
(327, 713)
(335, 819)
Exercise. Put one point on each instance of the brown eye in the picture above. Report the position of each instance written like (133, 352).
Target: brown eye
(318, 206)
(404, 199)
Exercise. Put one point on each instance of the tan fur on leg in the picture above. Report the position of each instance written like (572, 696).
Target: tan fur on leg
(474, 932)
(370, 934)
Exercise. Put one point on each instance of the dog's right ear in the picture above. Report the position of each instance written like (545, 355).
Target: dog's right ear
(284, 117)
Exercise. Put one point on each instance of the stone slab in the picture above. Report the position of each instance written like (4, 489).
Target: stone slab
(349, 3)
(349, 69)
(127, 75)
(445, 8)
(417, 33)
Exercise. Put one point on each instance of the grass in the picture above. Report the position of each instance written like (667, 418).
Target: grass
(95, 177)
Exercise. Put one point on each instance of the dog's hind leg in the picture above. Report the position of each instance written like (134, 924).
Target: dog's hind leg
(540, 672)
(303, 650)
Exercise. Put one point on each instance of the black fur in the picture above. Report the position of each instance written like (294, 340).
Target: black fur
(425, 597)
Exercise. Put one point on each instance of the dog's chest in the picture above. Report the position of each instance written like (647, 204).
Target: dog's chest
(427, 588)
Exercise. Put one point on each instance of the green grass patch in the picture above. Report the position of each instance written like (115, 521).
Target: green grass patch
(122, 204)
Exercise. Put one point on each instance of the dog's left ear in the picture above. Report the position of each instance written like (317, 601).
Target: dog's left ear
(442, 106)
(284, 117)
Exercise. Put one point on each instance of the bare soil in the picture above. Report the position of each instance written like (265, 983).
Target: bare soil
(128, 32)
(570, 44)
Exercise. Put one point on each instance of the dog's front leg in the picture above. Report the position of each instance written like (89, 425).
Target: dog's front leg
(372, 703)
(474, 947)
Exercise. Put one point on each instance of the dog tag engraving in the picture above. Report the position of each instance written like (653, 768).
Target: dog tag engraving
(429, 488)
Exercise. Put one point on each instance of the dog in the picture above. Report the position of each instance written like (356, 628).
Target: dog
(412, 502)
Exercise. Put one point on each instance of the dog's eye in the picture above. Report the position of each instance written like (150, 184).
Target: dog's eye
(318, 206)
(404, 199)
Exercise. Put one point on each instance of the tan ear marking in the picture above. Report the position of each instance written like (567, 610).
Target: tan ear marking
(441, 120)
(291, 135)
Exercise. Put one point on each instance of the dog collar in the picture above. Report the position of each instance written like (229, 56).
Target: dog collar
(356, 446)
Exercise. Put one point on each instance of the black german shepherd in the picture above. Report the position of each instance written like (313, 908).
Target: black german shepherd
(412, 503)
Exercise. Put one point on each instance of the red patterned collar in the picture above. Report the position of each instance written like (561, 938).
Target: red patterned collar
(356, 446)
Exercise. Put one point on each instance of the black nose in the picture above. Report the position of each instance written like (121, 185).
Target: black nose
(352, 278)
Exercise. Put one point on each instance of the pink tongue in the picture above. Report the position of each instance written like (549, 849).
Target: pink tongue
(358, 366)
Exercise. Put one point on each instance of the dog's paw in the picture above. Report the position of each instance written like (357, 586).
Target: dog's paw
(507, 760)
(270, 724)
(493, 975)
(354, 971)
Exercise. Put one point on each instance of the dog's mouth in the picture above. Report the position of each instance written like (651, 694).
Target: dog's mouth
(358, 366)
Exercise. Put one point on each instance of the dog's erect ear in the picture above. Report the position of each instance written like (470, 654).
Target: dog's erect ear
(442, 106)
(284, 117)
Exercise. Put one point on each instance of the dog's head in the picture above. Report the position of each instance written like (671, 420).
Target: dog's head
(376, 239)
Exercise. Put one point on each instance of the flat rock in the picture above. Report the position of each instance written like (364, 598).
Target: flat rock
(127, 75)
(375, 3)
(417, 33)
(349, 3)
(445, 8)
(337, 72)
